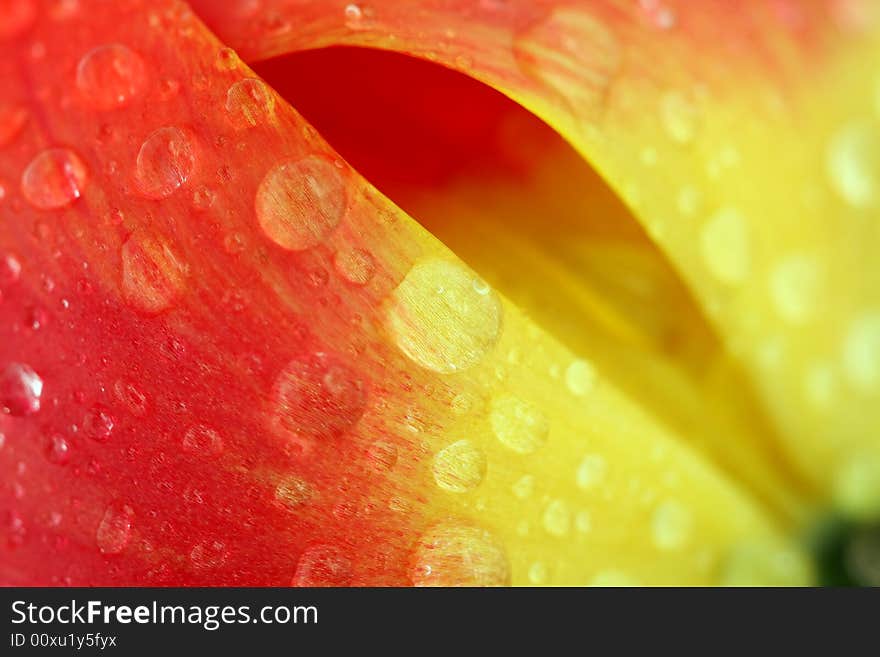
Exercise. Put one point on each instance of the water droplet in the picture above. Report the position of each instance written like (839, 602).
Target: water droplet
(114, 530)
(153, 275)
(12, 120)
(20, 390)
(763, 563)
(856, 485)
(671, 525)
(54, 178)
(202, 441)
(794, 284)
(591, 472)
(524, 487)
(613, 578)
(110, 76)
(165, 161)
(658, 14)
(208, 555)
(227, 59)
(853, 164)
(861, 352)
(557, 518)
(724, 243)
(454, 554)
(203, 198)
(574, 54)
(16, 17)
(690, 200)
(134, 400)
(323, 565)
(58, 450)
(439, 321)
(679, 116)
(583, 522)
(10, 269)
(355, 265)
(317, 396)
(459, 467)
(538, 573)
(382, 455)
(293, 492)
(353, 14)
(580, 377)
(249, 103)
(298, 204)
(518, 424)
(819, 385)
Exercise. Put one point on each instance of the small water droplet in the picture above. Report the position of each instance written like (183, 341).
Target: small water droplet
(323, 565)
(671, 525)
(235, 243)
(580, 377)
(355, 265)
(98, 424)
(227, 59)
(724, 243)
(794, 287)
(382, 455)
(853, 164)
(455, 554)
(203, 198)
(12, 120)
(613, 578)
(208, 555)
(249, 103)
(202, 441)
(153, 275)
(317, 396)
(353, 15)
(861, 352)
(459, 467)
(538, 573)
(109, 76)
(583, 522)
(10, 269)
(524, 487)
(680, 117)
(54, 178)
(165, 161)
(298, 204)
(20, 390)
(58, 450)
(293, 492)
(439, 321)
(557, 518)
(591, 472)
(114, 530)
(518, 424)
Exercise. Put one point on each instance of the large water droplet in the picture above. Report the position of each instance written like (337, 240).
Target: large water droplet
(153, 275)
(165, 161)
(114, 530)
(853, 164)
(110, 76)
(54, 178)
(440, 319)
(298, 204)
(518, 424)
(573, 54)
(12, 120)
(20, 389)
(459, 467)
(323, 565)
(454, 554)
(724, 243)
(249, 102)
(317, 396)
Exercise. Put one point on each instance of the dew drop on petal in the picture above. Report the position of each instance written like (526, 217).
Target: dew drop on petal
(382, 455)
(323, 565)
(671, 525)
(98, 424)
(861, 352)
(208, 555)
(299, 204)
(110, 76)
(680, 117)
(293, 492)
(794, 287)
(440, 320)
(53, 179)
(355, 265)
(153, 275)
(456, 554)
(613, 578)
(10, 269)
(591, 472)
(165, 161)
(317, 396)
(20, 390)
(202, 441)
(12, 120)
(459, 467)
(249, 103)
(724, 243)
(557, 518)
(58, 450)
(114, 530)
(580, 377)
(853, 164)
(519, 425)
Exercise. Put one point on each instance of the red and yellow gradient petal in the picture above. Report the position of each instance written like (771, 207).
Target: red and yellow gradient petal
(228, 359)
